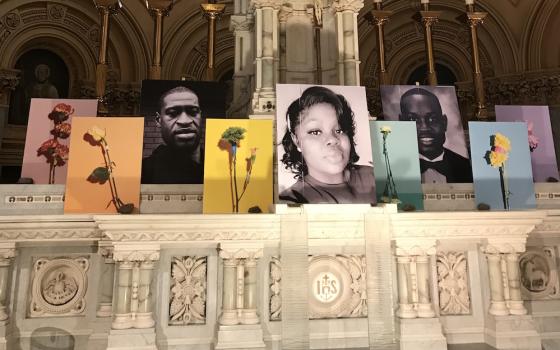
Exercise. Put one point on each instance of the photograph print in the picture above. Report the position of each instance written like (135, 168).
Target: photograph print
(541, 143)
(323, 145)
(175, 112)
(396, 166)
(238, 171)
(503, 178)
(104, 166)
(442, 147)
(48, 137)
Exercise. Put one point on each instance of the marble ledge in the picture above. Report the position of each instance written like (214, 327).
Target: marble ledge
(332, 222)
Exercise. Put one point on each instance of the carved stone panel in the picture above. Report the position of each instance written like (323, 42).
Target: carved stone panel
(453, 286)
(59, 286)
(337, 287)
(187, 301)
(539, 275)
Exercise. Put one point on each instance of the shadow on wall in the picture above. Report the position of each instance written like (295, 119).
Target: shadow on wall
(52, 339)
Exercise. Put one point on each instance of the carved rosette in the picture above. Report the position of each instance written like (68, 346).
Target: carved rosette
(59, 287)
(337, 287)
(539, 275)
(453, 286)
(187, 304)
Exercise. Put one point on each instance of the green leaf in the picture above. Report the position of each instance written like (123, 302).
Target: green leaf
(99, 174)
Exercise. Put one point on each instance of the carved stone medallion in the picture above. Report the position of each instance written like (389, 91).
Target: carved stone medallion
(337, 287)
(187, 304)
(539, 276)
(59, 287)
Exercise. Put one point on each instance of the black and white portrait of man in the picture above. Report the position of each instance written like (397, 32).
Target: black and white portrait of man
(441, 142)
(175, 112)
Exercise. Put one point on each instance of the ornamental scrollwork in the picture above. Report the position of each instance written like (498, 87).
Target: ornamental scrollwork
(453, 286)
(187, 304)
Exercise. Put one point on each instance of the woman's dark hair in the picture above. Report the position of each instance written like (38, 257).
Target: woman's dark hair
(292, 158)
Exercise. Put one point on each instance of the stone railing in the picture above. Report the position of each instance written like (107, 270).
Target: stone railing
(172, 280)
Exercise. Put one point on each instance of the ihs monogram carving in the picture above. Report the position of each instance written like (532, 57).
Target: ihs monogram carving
(453, 287)
(539, 275)
(187, 303)
(59, 287)
(337, 287)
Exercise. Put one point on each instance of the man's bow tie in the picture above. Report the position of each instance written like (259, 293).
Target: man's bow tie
(438, 166)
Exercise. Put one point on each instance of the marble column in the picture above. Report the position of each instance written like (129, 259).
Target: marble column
(106, 281)
(144, 317)
(136, 263)
(240, 286)
(7, 254)
(515, 303)
(122, 316)
(497, 302)
(266, 75)
(406, 307)
(425, 307)
(229, 294)
(347, 40)
(249, 315)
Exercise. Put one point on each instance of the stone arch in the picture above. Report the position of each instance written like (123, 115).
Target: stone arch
(540, 42)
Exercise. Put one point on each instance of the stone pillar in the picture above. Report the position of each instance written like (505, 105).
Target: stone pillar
(241, 24)
(266, 75)
(122, 317)
(497, 301)
(229, 293)
(283, 15)
(425, 307)
(135, 264)
(106, 280)
(406, 307)
(249, 315)
(347, 40)
(515, 303)
(239, 321)
(7, 254)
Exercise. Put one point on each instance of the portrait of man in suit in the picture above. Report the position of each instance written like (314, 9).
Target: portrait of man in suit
(438, 164)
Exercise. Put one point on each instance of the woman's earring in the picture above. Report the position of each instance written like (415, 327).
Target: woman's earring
(299, 149)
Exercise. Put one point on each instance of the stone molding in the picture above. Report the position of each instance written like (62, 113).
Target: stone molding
(136, 252)
(347, 5)
(48, 228)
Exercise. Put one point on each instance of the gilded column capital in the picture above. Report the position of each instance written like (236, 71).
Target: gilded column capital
(476, 18)
(428, 18)
(108, 5)
(347, 5)
(212, 10)
(380, 17)
(159, 7)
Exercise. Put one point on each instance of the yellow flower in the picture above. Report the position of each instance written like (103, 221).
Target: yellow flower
(502, 141)
(385, 129)
(497, 159)
(97, 133)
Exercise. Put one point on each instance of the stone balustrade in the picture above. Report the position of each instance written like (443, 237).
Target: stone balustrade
(149, 295)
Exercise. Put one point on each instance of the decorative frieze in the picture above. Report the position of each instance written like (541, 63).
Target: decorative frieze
(59, 286)
(187, 304)
(453, 285)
